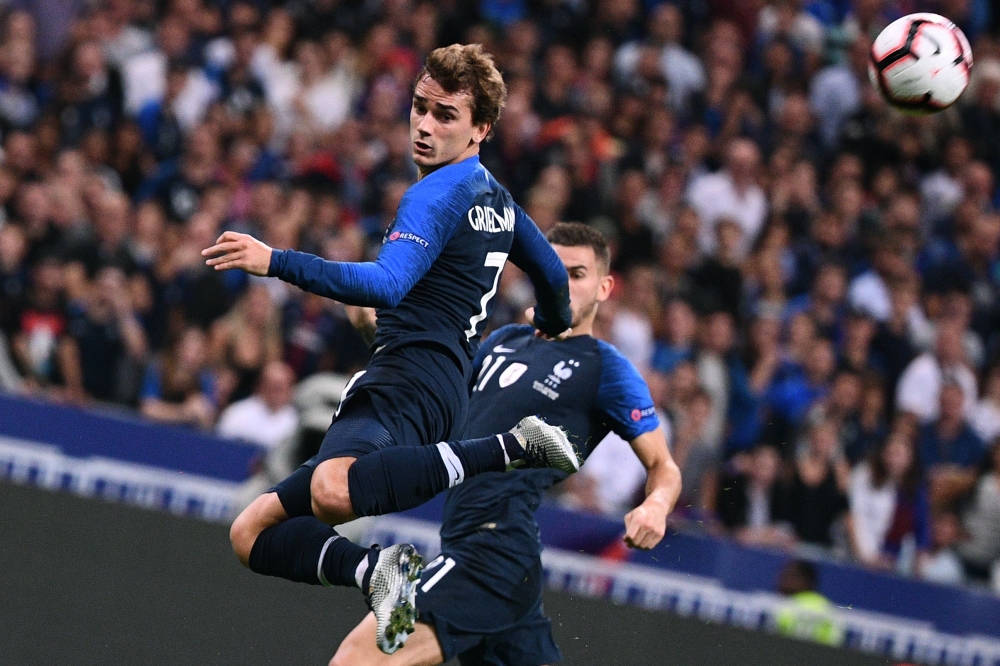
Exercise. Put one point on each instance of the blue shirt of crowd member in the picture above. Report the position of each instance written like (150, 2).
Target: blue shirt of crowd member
(666, 357)
(965, 449)
(154, 387)
(791, 397)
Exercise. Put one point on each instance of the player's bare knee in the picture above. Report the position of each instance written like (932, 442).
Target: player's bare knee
(242, 534)
(331, 497)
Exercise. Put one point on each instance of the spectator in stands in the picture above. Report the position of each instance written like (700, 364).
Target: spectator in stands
(245, 341)
(684, 73)
(718, 279)
(841, 405)
(717, 367)
(319, 337)
(869, 291)
(893, 344)
(825, 302)
(697, 456)
(40, 344)
(919, 389)
(180, 388)
(636, 309)
(789, 399)
(267, 417)
(985, 418)
(855, 350)
(942, 563)
(106, 340)
(731, 193)
(949, 449)
(981, 520)
(865, 430)
(762, 362)
(754, 504)
(888, 501)
(679, 324)
(816, 496)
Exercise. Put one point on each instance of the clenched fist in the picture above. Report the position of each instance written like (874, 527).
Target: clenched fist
(645, 526)
(233, 250)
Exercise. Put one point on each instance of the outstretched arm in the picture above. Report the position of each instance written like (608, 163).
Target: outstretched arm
(380, 283)
(647, 523)
(532, 254)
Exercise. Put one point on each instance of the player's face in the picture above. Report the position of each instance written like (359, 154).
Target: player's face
(589, 284)
(441, 127)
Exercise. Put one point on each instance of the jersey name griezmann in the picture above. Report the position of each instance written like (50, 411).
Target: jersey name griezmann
(485, 218)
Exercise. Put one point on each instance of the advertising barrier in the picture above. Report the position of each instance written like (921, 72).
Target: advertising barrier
(185, 472)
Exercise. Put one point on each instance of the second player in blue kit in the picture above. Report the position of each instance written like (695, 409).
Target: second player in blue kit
(481, 599)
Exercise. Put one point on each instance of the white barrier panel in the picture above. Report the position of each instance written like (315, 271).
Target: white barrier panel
(706, 599)
(46, 466)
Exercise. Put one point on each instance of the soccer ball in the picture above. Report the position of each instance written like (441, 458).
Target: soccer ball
(921, 63)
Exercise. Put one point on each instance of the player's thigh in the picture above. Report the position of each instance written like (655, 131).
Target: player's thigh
(260, 514)
(355, 432)
(359, 649)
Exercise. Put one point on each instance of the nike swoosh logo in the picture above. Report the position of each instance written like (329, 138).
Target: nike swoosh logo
(500, 349)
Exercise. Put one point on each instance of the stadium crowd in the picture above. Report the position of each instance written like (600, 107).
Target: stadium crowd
(809, 280)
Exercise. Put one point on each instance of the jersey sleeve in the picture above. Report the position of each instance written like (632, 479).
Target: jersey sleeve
(419, 233)
(623, 399)
(532, 254)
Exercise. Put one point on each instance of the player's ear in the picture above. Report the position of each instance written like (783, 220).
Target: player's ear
(480, 132)
(604, 289)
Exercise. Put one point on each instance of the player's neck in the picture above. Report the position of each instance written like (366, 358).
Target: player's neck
(585, 327)
(471, 151)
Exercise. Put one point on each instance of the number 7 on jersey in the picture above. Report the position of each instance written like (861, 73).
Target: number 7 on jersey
(493, 260)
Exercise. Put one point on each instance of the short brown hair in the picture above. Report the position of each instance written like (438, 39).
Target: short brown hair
(576, 234)
(468, 68)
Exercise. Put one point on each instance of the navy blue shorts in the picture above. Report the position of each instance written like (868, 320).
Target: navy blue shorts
(411, 395)
(458, 606)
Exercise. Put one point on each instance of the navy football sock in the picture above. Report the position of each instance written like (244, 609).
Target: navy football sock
(294, 493)
(487, 454)
(395, 479)
(402, 477)
(306, 550)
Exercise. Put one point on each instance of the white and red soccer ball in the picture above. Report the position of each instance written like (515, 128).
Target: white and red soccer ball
(921, 63)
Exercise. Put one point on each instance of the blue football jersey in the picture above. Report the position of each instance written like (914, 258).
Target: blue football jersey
(582, 384)
(439, 267)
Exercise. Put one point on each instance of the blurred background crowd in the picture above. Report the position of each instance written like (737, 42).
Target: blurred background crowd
(808, 279)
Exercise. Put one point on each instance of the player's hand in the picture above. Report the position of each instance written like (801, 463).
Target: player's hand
(362, 318)
(233, 250)
(529, 314)
(645, 526)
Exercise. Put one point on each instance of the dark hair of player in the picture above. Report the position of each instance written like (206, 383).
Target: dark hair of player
(576, 234)
(468, 68)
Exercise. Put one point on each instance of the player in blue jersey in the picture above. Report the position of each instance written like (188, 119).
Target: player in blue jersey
(433, 284)
(481, 599)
